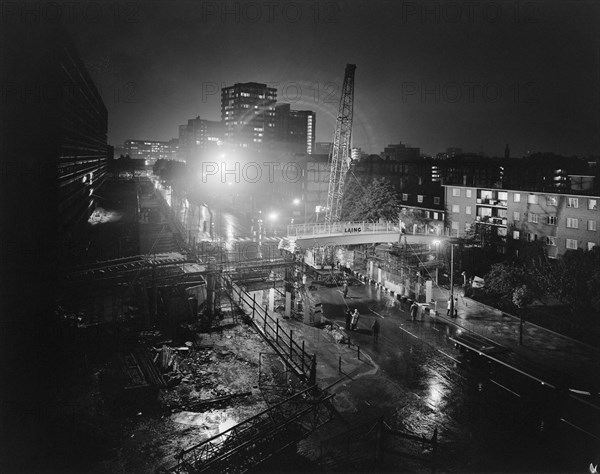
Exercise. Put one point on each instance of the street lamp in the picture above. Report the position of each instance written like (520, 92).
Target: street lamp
(452, 280)
(317, 210)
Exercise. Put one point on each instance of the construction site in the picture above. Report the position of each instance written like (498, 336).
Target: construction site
(187, 363)
(180, 358)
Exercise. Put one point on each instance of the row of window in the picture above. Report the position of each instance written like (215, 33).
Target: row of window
(572, 202)
(572, 222)
(420, 198)
(552, 241)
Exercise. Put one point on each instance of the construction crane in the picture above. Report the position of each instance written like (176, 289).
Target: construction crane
(341, 148)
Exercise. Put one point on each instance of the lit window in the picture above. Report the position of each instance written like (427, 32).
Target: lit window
(592, 204)
(468, 210)
(455, 226)
(516, 216)
(551, 201)
(551, 220)
(436, 200)
(516, 234)
(551, 240)
(591, 245)
(572, 223)
(531, 237)
(591, 225)
(469, 193)
(531, 217)
(532, 199)
(455, 208)
(455, 192)
(516, 197)
(405, 197)
(419, 198)
(572, 244)
(573, 202)
(467, 226)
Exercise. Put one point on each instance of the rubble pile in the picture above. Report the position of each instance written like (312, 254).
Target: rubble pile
(336, 333)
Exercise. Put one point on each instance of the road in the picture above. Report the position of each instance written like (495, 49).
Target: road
(489, 417)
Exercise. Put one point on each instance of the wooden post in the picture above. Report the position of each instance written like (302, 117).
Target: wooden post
(340, 364)
(302, 356)
(291, 340)
(277, 332)
(253, 305)
(358, 350)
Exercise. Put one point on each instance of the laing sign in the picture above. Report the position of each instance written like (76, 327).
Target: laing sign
(352, 230)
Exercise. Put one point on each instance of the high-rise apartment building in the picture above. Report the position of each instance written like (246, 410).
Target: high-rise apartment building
(248, 114)
(295, 129)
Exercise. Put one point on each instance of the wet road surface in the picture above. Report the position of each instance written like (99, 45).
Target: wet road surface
(489, 417)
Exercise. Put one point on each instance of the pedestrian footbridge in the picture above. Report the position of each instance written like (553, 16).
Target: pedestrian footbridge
(353, 233)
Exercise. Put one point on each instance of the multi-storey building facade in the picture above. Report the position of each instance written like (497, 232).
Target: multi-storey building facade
(199, 138)
(560, 221)
(323, 148)
(295, 129)
(150, 150)
(248, 114)
(400, 152)
(301, 189)
(54, 159)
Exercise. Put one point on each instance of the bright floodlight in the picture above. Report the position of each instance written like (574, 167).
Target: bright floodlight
(436, 242)
(273, 216)
(296, 201)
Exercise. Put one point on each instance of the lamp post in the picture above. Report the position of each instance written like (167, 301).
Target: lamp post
(451, 280)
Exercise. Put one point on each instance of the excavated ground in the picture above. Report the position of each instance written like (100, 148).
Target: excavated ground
(93, 435)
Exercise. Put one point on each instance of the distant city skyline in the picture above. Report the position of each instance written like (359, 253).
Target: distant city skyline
(477, 77)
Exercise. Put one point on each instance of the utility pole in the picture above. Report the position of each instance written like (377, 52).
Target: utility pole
(451, 280)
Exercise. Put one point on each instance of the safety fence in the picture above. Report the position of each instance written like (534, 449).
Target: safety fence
(292, 352)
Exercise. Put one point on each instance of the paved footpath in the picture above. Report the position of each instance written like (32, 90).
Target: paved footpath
(541, 347)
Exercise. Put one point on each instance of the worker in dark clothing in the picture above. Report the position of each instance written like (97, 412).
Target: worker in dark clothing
(345, 289)
(348, 318)
(375, 328)
(414, 309)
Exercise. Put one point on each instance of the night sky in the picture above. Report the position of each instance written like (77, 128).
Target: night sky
(475, 75)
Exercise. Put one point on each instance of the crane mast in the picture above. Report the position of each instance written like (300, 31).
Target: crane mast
(341, 150)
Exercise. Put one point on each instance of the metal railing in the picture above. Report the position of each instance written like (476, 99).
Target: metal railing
(354, 228)
(292, 352)
(256, 439)
(338, 228)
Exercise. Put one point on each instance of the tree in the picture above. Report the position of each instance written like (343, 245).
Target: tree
(378, 200)
(503, 278)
